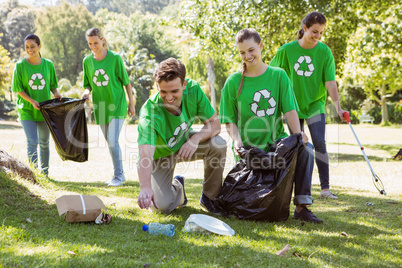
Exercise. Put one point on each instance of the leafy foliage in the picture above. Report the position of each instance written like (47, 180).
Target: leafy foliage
(16, 23)
(62, 31)
(374, 59)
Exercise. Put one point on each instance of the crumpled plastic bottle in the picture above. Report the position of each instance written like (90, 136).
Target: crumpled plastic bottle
(154, 228)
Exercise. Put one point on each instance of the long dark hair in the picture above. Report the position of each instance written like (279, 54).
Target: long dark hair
(35, 38)
(311, 19)
(241, 36)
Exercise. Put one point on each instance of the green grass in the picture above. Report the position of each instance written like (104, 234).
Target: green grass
(374, 233)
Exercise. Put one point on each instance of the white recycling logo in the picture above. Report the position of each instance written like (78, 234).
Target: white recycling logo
(173, 140)
(31, 82)
(265, 94)
(310, 66)
(105, 76)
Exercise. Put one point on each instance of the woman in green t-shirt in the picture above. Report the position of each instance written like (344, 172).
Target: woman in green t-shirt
(311, 69)
(252, 104)
(33, 79)
(105, 76)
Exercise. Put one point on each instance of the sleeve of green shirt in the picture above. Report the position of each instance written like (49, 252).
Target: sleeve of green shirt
(122, 72)
(85, 80)
(329, 68)
(287, 96)
(279, 59)
(16, 85)
(146, 126)
(204, 108)
(53, 82)
(228, 109)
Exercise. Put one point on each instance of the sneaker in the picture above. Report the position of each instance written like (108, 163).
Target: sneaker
(123, 179)
(180, 179)
(328, 194)
(207, 204)
(115, 182)
(306, 215)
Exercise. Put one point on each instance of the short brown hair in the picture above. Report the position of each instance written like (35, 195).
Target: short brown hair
(169, 70)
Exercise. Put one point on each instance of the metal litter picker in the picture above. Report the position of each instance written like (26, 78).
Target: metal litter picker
(376, 180)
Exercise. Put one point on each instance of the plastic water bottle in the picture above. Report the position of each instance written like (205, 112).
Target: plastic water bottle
(155, 228)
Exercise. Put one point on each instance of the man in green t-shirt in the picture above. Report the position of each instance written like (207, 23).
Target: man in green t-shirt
(165, 137)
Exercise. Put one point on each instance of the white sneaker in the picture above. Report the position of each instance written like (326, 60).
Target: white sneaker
(328, 194)
(122, 180)
(115, 182)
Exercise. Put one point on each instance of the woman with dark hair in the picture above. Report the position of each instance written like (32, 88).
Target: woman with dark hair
(106, 76)
(252, 104)
(311, 69)
(33, 79)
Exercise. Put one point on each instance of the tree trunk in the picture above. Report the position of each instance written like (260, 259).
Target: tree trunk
(384, 104)
(211, 81)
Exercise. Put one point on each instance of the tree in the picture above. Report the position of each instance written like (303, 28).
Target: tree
(140, 70)
(16, 22)
(6, 68)
(62, 31)
(137, 32)
(374, 59)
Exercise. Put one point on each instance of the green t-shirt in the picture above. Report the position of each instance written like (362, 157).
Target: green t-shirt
(106, 78)
(257, 112)
(308, 70)
(36, 81)
(168, 132)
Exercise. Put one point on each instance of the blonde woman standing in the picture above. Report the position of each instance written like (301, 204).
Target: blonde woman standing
(106, 77)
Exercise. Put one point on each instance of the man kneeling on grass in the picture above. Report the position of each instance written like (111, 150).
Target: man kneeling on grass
(165, 137)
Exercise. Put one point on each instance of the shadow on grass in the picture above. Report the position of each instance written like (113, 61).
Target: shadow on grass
(391, 149)
(9, 126)
(354, 157)
(48, 238)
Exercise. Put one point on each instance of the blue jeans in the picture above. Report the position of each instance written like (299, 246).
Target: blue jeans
(111, 132)
(316, 125)
(303, 174)
(37, 132)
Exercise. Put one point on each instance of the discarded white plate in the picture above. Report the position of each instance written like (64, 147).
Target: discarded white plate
(205, 223)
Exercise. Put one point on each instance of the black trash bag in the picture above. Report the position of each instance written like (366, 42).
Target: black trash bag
(67, 123)
(260, 185)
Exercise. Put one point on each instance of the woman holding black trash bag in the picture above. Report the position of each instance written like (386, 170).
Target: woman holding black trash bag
(311, 69)
(105, 76)
(33, 79)
(252, 103)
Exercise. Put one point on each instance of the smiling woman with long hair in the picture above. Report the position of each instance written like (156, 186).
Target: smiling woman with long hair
(252, 103)
(311, 69)
(33, 79)
(105, 76)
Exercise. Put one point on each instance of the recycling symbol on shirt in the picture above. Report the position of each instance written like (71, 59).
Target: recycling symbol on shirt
(310, 66)
(265, 94)
(176, 137)
(105, 77)
(31, 82)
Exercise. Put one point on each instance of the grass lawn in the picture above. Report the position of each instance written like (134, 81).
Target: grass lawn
(33, 235)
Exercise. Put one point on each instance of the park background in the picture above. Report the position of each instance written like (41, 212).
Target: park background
(366, 41)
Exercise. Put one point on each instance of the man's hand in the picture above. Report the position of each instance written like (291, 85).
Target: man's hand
(188, 149)
(146, 198)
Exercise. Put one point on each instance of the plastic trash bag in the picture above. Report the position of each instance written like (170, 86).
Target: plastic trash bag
(259, 187)
(67, 123)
